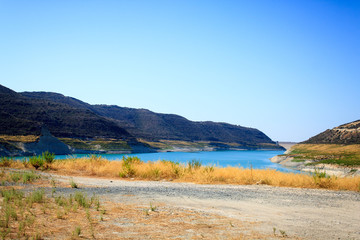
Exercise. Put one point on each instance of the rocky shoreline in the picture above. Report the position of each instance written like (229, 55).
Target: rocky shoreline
(303, 166)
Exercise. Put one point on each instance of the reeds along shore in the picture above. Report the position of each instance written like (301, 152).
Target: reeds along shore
(134, 168)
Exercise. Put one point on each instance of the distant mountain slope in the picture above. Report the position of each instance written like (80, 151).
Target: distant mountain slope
(335, 151)
(101, 128)
(348, 133)
(22, 115)
(155, 126)
(148, 125)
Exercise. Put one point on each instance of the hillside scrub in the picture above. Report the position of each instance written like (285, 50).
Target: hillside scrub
(343, 155)
(134, 168)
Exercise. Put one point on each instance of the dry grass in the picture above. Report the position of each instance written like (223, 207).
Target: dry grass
(97, 166)
(24, 139)
(326, 148)
(133, 167)
(34, 215)
(39, 215)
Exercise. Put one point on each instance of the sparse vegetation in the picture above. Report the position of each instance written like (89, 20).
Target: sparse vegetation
(36, 161)
(152, 207)
(24, 177)
(35, 216)
(48, 157)
(283, 233)
(342, 155)
(73, 184)
(77, 231)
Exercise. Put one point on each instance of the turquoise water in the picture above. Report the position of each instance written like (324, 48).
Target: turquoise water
(245, 159)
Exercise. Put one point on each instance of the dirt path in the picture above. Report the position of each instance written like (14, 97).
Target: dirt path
(300, 213)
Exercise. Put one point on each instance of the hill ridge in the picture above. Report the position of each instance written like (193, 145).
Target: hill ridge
(348, 133)
(68, 118)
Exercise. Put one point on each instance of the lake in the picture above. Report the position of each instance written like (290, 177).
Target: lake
(245, 159)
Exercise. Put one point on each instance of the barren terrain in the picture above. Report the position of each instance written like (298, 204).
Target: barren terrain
(187, 211)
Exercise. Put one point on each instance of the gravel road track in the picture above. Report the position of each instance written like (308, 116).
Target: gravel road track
(302, 213)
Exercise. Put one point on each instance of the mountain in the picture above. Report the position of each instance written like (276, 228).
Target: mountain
(85, 127)
(151, 126)
(22, 115)
(348, 133)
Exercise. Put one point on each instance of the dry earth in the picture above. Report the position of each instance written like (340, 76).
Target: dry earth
(191, 211)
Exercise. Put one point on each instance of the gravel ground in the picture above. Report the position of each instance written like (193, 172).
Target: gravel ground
(302, 213)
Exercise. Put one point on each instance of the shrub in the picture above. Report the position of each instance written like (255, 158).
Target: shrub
(5, 161)
(73, 184)
(81, 200)
(318, 174)
(130, 160)
(36, 161)
(48, 157)
(194, 164)
(128, 170)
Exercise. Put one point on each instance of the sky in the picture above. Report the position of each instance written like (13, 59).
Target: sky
(288, 68)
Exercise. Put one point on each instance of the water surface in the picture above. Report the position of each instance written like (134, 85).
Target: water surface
(244, 159)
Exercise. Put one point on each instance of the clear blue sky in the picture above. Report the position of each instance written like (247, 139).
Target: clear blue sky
(289, 68)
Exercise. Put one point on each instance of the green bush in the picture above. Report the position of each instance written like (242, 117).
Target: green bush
(194, 164)
(130, 160)
(128, 170)
(48, 157)
(36, 161)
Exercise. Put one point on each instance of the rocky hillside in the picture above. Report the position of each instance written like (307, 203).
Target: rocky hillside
(335, 151)
(21, 115)
(348, 133)
(151, 126)
(79, 124)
